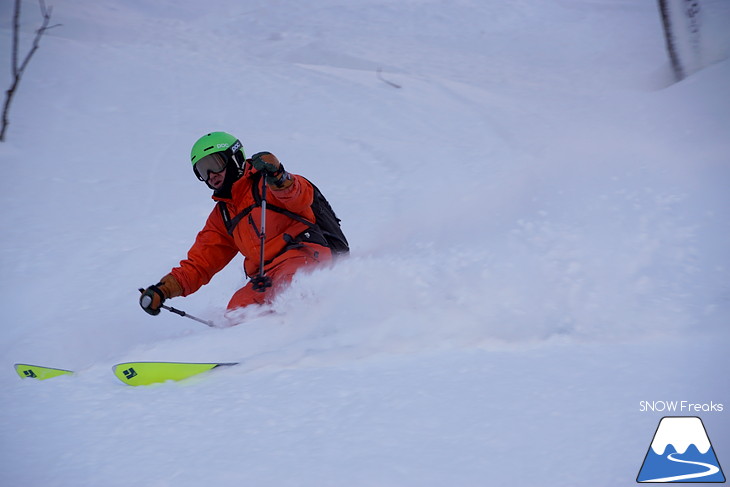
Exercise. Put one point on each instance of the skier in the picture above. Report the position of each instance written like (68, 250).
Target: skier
(272, 254)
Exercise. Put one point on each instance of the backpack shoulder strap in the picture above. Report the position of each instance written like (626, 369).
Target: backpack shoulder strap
(231, 223)
(257, 198)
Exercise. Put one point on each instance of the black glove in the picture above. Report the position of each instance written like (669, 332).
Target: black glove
(260, 283)
(269, 165)
(154, 296)
(151, 300)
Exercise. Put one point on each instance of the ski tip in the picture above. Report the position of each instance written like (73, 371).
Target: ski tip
(147, 373)
(39, 372)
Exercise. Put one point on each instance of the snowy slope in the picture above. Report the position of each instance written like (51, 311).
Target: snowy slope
(539, 224)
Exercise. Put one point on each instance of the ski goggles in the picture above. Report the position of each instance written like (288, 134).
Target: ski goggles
(215, 162)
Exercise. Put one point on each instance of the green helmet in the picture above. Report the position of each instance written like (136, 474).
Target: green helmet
(217, 142)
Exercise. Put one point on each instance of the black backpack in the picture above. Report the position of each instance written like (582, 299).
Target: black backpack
(325, 224)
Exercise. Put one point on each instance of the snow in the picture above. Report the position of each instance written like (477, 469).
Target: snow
(539, 222)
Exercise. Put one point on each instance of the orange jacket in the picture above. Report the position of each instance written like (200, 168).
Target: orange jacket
(214, 248)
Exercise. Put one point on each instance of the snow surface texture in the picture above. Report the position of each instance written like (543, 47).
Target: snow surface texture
(539, 220)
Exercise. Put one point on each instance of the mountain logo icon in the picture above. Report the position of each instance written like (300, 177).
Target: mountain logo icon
(680, 452)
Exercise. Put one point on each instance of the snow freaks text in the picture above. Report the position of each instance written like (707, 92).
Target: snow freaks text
(680, 407)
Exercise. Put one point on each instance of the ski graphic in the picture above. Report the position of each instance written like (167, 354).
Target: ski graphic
(27, 371)
(131, 373)
(146, 373)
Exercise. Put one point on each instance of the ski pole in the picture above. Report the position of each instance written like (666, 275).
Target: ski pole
(261, 282)
(263, 224)
(183, 313)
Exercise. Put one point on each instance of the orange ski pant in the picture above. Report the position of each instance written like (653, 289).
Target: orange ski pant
(281, 271)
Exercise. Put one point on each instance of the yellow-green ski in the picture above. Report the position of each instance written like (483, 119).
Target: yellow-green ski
(145, 373)
(27, 371)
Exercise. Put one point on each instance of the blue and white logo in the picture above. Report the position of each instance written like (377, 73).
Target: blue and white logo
(680, 452)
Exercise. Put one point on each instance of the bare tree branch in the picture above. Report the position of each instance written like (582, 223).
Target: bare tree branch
(16, 32)
(390, 83)
(18, 70)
